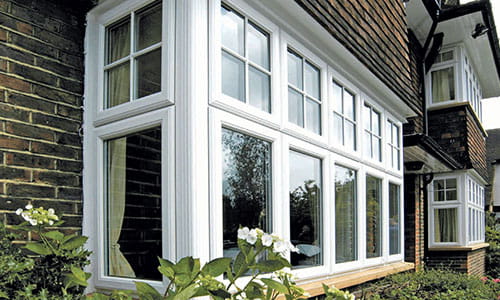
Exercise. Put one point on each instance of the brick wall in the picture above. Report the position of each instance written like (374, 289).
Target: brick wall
(416, 124)
(375, 32)
(414, 219)
(457, 130)
(470, 262)
(41, 86)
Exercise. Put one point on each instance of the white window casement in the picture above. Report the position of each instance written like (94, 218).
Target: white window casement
(452, 79)
(456, 210)
(281, 125)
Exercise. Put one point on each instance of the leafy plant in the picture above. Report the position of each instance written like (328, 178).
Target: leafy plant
(56, 269)
(493, 251)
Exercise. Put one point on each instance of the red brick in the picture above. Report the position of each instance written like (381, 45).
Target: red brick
(24, 28)
(8, 142)
(3, 35)
(14, 83)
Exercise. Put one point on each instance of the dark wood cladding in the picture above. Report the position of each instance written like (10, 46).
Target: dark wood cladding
(457, 130)
(375, 32)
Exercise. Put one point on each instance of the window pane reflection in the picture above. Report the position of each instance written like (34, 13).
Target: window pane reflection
(345, 215)
(373, 217)
(305, 207)
(246, 186)
(394, 220)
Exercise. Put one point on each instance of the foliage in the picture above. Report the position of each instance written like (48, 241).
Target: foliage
(433, 285)
(493, 251)
(260, 255)
(55, 269)
(333, 293)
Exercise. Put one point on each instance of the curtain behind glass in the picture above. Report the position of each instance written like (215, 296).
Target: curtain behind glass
(445, 225)
(345, 215)
(118, 78)
(443, 85)
(118, 264)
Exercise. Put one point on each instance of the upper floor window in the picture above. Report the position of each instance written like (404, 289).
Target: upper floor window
(245, 61)
(394, 146)
(133, 56)
(304, 92)
(372, 139)
(344, 114)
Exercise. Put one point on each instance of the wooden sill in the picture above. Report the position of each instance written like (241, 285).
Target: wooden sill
(459, 248)
(315, 288)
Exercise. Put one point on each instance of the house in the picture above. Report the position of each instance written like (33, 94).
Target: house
(351, 128)
(493, 160)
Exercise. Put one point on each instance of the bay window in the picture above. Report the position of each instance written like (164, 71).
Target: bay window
(456, 210)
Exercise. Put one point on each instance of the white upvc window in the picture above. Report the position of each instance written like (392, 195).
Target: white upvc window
(129, 149)
(456, 210)
(372, 132)
(452, 79)
(393, 136)
(345, 116)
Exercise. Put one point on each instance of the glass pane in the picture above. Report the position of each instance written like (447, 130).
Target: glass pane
(232, 26)
(118, 89)
(337, 98)
(395, 135)
(376, 148)
(149, 27)
(350, 135)
(295, 108)
(349, 103)
(118, 36)
(258, 46)
(445, 56)
(451, 183)
(295, 69)
(451, 195)
(305, 207)
(443, 85)
(313, 116)
(373, 217)
(338, 129)
(345, 215)
(394, 220)
(367, 144)
(445, 225)
(376, 123)
(133, 222)
(233, 77)
(259, 89)
(312, 81)
(149, 73)
(438, 184)
(439, 196)
(367, 116)
(246, 186)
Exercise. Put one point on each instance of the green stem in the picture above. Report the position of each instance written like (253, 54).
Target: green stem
(168, 287)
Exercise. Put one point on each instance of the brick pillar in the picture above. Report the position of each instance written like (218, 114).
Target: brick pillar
(414, 219)
(41, 86)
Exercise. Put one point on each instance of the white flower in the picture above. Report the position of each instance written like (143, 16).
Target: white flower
(25, 216)
(19, 211)
(292, 248)
(51, 222)
(29, 206)
(267, 240)
(33, 222)
(51, 211)
(252, 237)
(280, 246)
(243, 233)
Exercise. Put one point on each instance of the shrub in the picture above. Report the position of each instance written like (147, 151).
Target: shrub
(493, 251)
(54, 271)
(433, 285)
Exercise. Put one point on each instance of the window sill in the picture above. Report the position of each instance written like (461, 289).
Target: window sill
(314, 287)
(460, 248)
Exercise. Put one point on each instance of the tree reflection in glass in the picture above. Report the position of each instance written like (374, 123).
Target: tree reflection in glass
(345, 215)
(373, 217)
(246, 186)
(305, 207)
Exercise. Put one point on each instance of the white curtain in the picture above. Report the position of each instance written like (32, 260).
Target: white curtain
(443, 85)
(445, 225)
(118, 264)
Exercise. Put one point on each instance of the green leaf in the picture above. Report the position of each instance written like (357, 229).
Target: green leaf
(167, 272)
(165, 262)
(74, 242)
(216, 267)
(97, 296)
(3, 295)
(38, 248)
(54, 235)
(146, 291)
(267, 266)
(275, 285)
(184, 266)
(79, 273)
(240, 266)
(254, 290)
(186, 293)
(220, 294)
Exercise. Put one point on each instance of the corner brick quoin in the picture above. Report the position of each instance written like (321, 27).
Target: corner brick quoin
(41, 87)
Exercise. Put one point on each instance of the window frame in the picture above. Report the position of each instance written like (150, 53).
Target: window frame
(164, 118)
(288, 42)
(382, 117)
(225, 102)
(345, 85)
(454, 63)
(109, 13)
(389, 144)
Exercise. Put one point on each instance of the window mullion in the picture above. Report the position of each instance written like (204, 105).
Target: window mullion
(245, 54)
(132, 78)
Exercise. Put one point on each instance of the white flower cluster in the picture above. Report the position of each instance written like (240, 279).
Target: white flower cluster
(279, 245)
(37, 216)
